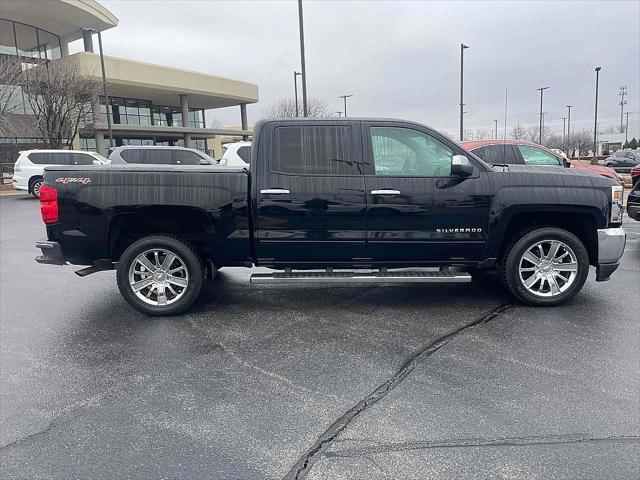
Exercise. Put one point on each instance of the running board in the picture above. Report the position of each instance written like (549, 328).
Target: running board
(356, 277)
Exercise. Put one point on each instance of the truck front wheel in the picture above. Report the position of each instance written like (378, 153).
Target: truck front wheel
(545, 266)
(160, 275)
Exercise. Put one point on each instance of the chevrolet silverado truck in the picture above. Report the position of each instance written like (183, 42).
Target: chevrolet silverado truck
(334, 200)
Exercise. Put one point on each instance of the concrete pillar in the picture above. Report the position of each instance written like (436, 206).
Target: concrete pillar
(184, 108)
(243, 119)
(100, 146)
(87, 38)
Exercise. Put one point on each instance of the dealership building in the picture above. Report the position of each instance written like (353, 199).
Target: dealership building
(148, 104)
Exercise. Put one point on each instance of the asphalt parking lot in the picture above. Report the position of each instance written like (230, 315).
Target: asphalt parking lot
(405, 381)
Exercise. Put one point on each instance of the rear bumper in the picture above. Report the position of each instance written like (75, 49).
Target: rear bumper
(611, 242)
(51, 253)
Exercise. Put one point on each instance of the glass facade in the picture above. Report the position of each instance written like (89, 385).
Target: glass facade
(132, 111)
(89, 142)
(28, 42)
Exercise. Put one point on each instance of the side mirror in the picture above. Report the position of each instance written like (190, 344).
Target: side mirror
(461, 166)
(97, 163)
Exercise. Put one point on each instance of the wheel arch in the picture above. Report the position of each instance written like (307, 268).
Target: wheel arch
(583, 224)
(190, 223)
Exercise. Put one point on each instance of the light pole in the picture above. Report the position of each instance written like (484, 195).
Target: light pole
(568, 129)
(623, 102)
(626, 129)
(295, 89)
(304, 71)
(104, 84)
(496, 135)
(462, 48)
(541, 89)
(594, 160)
(344, 97)
(339, 114)
(564, 124)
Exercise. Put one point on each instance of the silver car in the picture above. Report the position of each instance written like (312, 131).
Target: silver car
(159, 155)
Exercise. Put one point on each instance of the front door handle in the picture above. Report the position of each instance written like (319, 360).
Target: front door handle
(385, 191)
(275, 191)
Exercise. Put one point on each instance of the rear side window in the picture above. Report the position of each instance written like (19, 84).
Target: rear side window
(185, 157)
(537, 156)
(245, 154)
(50, 158)
(314, 150)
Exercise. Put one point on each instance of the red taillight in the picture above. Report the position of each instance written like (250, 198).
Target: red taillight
(49, 204)
(635, 171)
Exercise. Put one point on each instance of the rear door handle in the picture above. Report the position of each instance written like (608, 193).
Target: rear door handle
(385, 191)
(275, 191)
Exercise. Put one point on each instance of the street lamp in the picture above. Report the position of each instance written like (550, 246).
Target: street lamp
(541, 89)
(568, 128)
(496, 137)
(626, 130)
(344, 97)
(295, 89)
(564, 124)
(104, 83)
(462, 48)
(594, 160)
(304, 71)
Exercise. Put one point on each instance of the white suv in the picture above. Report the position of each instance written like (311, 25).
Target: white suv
(29, 168)
(237, 154)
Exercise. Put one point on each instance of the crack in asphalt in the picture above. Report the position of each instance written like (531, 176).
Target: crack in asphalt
(366, 452)
(304, 464)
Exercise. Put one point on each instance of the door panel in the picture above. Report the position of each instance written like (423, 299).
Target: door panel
(412, 217)
(319, 216)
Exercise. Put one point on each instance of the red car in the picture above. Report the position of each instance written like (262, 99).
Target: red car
(521, 152)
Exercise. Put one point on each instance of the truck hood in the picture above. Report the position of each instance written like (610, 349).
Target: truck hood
(546, 175)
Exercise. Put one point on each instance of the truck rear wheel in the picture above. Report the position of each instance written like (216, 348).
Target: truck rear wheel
(160, 275)
(545, 266)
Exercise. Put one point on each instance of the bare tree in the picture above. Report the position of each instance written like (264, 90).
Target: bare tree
(61, 100)
(10, 94)
(286, 108)
(518, 133)
(533, 134)
(580, 143)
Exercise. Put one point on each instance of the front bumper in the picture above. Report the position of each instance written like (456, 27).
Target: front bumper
(51, 253)
(611, 242)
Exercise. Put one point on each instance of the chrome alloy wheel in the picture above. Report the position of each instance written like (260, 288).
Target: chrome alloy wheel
(36, 188)
(548, 268)
(158, 277)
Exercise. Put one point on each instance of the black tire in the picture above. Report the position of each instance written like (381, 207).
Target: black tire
(510, 265)
(186, 255)
(34, 187)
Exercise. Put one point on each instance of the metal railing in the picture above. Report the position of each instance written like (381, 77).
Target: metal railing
(6, 173)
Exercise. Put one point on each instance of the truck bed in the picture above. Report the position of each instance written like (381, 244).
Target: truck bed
(99, 204)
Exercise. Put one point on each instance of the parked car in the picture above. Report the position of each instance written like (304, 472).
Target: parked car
(237, 154)
(635, 175)
(159, 155)
(388, 196)
(522, 152)
(623, 160)
(633, 202)
(29, 168)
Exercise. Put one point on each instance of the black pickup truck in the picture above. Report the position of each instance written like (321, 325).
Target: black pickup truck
(334, 200)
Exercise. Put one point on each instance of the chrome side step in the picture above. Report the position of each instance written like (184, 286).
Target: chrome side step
(362, 277)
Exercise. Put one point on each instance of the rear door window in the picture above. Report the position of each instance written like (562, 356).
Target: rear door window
(314, 150)
(537, 156)
(497, 154)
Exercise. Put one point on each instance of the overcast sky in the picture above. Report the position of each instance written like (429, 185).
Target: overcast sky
(401, 59)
